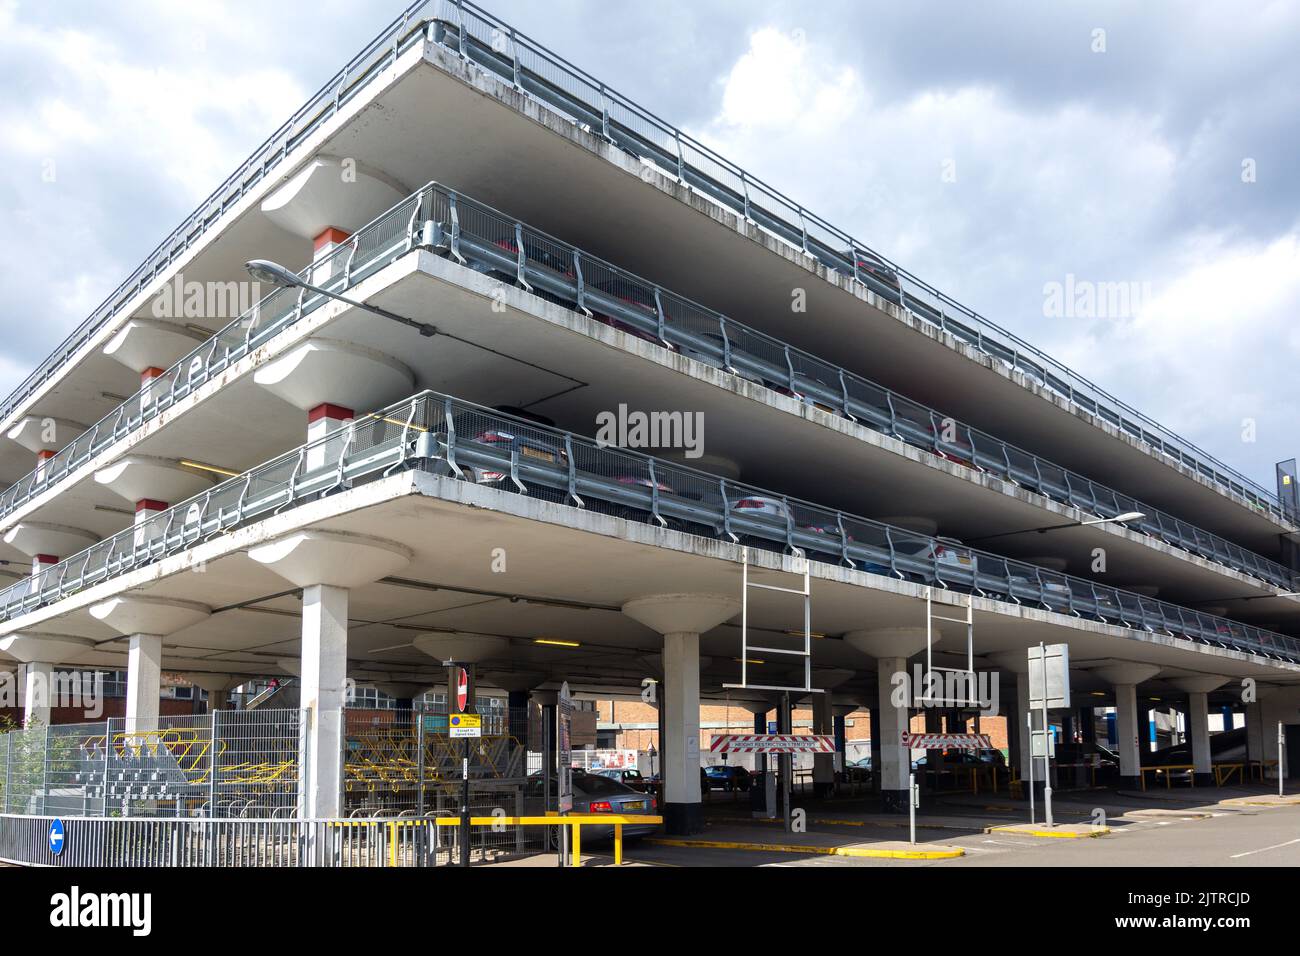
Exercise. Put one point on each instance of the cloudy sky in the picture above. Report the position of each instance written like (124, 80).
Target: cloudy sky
(999, 150)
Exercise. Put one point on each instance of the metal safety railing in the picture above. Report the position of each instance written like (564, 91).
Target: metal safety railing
(489, 241)
(372, 247)
(448, 437)
(27, 839)
(492, 44)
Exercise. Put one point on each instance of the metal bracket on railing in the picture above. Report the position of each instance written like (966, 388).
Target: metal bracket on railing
(451, 441)
(789, 526)
(341, 470)
(844, 399)
(582, 285)
(726, 513)
(514, 471)
(604, 115)
(893, 415)
(455, 228)
(681, 160)
(803, 230)
(857, 272)
(654, 495)
(573, 471)
(403, 441)
(726, 345)
(514, 50)
(659, 312)
(520, 259)
(744, 187)
(893, 555)
(291, 489)
(789, 369)
(844, 542)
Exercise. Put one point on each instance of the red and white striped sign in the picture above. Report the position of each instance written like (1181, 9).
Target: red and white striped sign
(772, 744)
(947, 741)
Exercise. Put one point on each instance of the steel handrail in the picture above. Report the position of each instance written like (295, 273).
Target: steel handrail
(483, 240)
(648, 490)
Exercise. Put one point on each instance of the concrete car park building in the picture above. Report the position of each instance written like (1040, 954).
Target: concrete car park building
(350, 486)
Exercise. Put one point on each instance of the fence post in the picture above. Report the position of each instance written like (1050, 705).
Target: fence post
(213, 751)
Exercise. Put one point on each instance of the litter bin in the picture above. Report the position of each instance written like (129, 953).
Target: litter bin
(758, 792)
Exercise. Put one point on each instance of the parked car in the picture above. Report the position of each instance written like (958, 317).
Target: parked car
(504, 437)
(729, 777)
(593, 793)
(877, 274)
(628, 777)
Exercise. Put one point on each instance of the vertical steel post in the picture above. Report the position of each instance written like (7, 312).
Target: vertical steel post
(1029, 727)
(1047, 749)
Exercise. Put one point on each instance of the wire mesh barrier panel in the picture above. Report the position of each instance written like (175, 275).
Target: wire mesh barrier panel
(404, 764)
(228, 764)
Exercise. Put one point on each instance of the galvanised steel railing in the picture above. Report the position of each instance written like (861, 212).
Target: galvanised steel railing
(239, 842)
(372, 247)
(489, 241)
(446, 436)
(481, 38)
(490, 43)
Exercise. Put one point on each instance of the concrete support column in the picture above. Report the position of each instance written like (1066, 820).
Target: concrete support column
(1024, 741)
(323, 244)
(148, 391)
(895, 763)
(681, 619)
(42, 461)
(143, 681)
(1129, 730)
(322, 687)
(823, 764)
(146, 509)
(322, 420)
(1198, 723)
(1256, 739)
(681, 745)
(1129, 726)
(326, 565)
(892, 763)
(37, 679)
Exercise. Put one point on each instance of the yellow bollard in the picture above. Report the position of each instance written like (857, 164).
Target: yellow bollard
(618, 844)
(577, 843)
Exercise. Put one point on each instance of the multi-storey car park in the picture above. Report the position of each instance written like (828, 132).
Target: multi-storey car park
(510, 250)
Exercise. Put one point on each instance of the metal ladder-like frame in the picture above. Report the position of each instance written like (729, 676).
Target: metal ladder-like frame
(745, 647)
(969, 622)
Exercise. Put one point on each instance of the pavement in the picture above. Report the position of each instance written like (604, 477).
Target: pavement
(1231, 826)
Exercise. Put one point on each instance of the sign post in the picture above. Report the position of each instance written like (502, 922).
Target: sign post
(1049, 687)
(463, 722)
(564, 762)
(1281, 757)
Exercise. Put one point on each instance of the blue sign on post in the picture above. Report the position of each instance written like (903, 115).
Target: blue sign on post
(56, 837)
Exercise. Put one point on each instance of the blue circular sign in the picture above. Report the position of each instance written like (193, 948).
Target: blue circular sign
(57, 837)
(455, 721)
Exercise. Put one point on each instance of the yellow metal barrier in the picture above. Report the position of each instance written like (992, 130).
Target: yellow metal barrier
(1190, 768)
(574, 821)
(1223, 772)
